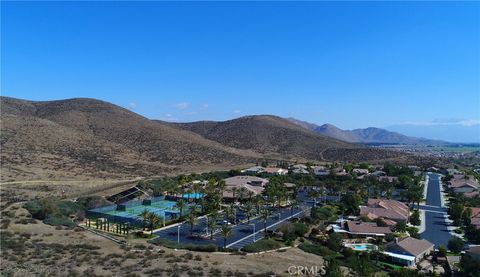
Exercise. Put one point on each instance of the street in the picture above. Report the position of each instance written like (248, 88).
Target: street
(436, 225)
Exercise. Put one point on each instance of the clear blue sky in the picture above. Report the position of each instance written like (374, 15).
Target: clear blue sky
(350, 64)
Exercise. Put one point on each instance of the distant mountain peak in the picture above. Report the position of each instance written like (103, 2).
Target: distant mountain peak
(365, 135)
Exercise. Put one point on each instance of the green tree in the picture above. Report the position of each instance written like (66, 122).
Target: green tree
(332, 269)
(442, 251)
(181, 204)
(212, 223)
(351, 203)
(456, 244)
(153, 221)
(144, 215)
(192, 220)
(226, 232)
(264, 215)
(415, 218)
(334, 242)
(249, 210)
(456, 211)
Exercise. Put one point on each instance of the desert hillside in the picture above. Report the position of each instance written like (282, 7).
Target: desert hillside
(77, 138)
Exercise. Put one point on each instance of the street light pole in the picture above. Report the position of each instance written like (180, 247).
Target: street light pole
(178, 234)
(206, 225)
(253, 224)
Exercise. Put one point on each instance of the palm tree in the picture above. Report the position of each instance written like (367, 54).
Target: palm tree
(264, 215)
(192, 220)
(212, 223)
(181, 204)
(293, 204)
(249, 210)
(242, 193)
(231, 213)
(153, 221)
(226, 232)
(144, 215)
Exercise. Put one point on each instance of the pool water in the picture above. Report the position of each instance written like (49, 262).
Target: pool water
(362, 246)
(192, 195)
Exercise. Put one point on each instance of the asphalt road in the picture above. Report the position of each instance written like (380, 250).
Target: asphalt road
(436, 226)
(242, 233)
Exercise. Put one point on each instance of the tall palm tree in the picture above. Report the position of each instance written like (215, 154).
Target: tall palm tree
(231, 213)
(293, 204)
(181, 204)
(242, 193)
(264, 215)
(226, 232)
(153, 221)
(212, 223)
(249, 210)
(192, 220)
(144, 215)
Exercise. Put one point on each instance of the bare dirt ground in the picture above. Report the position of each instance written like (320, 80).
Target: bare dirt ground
(33, 249)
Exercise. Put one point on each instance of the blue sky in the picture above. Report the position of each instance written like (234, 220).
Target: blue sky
(350, 64)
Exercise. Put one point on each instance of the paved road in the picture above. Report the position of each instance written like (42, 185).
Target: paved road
(436, 226)
(242, 233)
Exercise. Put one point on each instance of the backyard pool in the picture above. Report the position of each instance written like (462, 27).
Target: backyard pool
(362, 246)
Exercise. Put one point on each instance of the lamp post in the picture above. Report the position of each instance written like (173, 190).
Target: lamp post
(253, 224)
(206, 218)
(178, 234)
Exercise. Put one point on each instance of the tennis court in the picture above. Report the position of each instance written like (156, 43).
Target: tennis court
(130, 211)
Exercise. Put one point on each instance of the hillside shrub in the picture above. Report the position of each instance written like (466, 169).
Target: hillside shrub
(262, 245)
(56, 220)
(318, 249)
(192, 247)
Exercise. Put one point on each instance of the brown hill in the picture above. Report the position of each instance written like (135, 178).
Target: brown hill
(95, 138)
(276, 136)
(87, 137)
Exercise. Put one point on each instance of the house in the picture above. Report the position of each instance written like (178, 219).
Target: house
(378, 173)
(465, 185)
(391, 211)
(235, 192)
(299, 171)
(321, 171)
(360, 171)
(409, 251)
(339, 171)
(275, 171)
(475, 217)
(473, 252)
(364, 229)
(389, 179)
(299, 166)
(254, 170)
(290, 187)
(245, 180)
(243, 186)
(453, 264)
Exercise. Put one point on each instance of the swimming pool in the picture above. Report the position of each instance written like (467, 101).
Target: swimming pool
(192, 195)
(362, 246)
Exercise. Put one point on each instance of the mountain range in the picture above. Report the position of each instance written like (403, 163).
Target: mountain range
(369, 135)
(79, 138)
